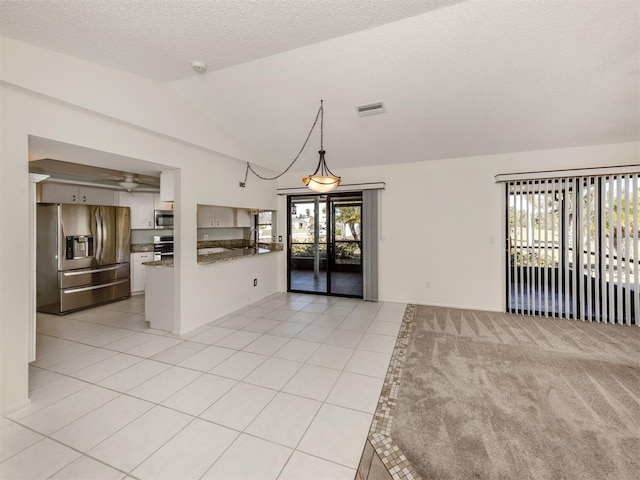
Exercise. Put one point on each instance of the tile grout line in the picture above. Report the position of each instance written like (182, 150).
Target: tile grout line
(202, 373)
(71, 374)
(82, 454)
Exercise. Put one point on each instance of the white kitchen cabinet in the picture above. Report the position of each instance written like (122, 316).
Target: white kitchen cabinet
(138, 272)
(212, 216)
(96, 196)
(159, 204)
(141, 205)
(63, 193)
(166, 186)
(224, 216)
(206, 216)
(59, 193)
(243, 217)
(158, 298)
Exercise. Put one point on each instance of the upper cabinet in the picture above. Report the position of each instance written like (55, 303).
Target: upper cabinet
(61, 193)
(243, 217)
(158, 204)
(224, 217)
(141, 205)
(166, 186)
(206, 216)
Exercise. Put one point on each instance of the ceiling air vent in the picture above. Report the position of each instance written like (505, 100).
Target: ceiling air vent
(370, 109)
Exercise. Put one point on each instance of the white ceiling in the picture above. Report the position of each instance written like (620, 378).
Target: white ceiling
(458, 78)
(105, 165)
(159, 38)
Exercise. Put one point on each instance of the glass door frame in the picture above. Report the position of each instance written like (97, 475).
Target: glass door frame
(330, 247)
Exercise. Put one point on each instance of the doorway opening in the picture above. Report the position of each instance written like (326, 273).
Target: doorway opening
(324, 254)
(97, 177)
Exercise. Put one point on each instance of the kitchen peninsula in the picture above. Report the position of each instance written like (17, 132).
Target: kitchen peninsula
(159, 275)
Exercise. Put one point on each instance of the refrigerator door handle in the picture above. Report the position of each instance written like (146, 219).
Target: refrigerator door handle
(98, 234)
(95, 270)
(95, 287)
(102, 234)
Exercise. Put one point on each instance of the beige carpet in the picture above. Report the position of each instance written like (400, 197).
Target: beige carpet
(497, 396)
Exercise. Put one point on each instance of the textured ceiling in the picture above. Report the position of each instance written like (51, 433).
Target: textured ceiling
(457, 78)
(159, 39)
(475, 78)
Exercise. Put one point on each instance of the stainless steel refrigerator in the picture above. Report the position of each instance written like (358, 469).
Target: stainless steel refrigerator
(82, 256)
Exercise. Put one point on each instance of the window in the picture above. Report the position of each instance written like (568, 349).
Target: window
(264, 230)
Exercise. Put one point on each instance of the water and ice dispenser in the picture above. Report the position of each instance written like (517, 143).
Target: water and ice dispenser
(79, 246)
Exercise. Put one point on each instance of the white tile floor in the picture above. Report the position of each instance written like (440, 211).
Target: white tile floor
(283, 389)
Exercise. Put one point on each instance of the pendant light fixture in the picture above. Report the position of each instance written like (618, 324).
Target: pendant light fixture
(322, 180)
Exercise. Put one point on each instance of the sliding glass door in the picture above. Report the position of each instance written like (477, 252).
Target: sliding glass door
(345, 246)
(307, 252)
(537, 240)
(325, 244)
(573, 248)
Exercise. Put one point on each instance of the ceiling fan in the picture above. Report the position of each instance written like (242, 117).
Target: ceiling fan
(129, 183)
(67, 172)
(132, 181)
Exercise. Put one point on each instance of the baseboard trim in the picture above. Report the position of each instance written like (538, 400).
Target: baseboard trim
(16, 407)
(446, 305)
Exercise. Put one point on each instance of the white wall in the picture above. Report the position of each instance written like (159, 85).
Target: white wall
(14, 259)
(226, 287)
(80, 112)
(442, 222)
(127, 97)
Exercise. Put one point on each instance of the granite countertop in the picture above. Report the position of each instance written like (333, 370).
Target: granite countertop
(232, 254)
(238, 243)
(229, 254)
(159, 263)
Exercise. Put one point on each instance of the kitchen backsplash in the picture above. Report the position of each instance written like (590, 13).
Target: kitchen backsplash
(223, 233)
(146, 236)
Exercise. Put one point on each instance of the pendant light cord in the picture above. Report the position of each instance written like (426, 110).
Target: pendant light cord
(320, 115)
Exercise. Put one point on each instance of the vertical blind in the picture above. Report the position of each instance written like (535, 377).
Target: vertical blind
(573, 249)
(370, 211)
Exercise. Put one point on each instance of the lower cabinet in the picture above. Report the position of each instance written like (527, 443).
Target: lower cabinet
(158, 301)
(138, 273)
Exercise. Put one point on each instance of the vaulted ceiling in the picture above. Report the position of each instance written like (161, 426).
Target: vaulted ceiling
(458, 78)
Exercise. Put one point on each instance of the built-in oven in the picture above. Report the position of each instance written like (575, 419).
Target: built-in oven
(162, 247)
(163, 219)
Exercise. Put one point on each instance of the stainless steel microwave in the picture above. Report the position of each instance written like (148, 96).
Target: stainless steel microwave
(163, 219)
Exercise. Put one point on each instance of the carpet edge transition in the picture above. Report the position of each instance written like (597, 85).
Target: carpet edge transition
(382, 458)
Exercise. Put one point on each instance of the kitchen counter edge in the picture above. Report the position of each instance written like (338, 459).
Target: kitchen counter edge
(226, 256)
